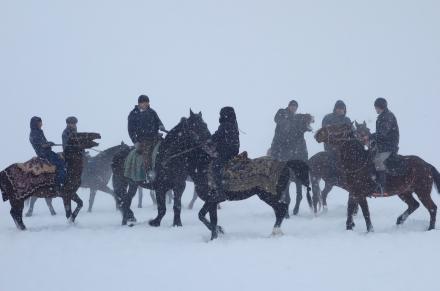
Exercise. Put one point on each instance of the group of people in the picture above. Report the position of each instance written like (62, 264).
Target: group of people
(288, 143)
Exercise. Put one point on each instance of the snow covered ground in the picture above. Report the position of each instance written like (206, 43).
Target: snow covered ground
(314, 254)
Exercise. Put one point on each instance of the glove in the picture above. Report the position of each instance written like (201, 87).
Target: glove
(162, 128)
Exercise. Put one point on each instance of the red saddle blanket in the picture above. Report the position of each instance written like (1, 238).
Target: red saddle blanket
(22, 180)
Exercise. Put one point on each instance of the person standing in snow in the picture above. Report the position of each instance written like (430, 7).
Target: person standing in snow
(143, 128)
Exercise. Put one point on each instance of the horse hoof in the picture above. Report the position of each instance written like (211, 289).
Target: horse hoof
(177, 224)
(154, 223)
(53, 213)
(28, 214)
(431, 228)
(214, 235)
(220, 230)
(350, 226)
(370, 229)
(277, 232)
(287, 216)
(295, 212)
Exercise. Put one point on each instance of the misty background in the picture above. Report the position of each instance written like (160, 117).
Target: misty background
(92, 59)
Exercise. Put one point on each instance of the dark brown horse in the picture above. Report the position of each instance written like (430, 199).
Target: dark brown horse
(357, 167)
(74, 163)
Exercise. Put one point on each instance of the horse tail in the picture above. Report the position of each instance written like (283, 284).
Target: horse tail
(302, 173)
(436, 177)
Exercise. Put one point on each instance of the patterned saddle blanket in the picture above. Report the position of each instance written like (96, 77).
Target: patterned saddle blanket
(21, 180)
(135, 165)
(244, 174)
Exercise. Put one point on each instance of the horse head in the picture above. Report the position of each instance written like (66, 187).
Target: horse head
(362, 132)
(81, 141)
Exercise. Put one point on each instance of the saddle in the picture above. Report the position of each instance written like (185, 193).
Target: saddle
(245, 174)
(397, 165)
(135, 165)
(37, 166)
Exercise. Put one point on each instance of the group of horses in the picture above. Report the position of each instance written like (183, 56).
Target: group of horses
(183, 155)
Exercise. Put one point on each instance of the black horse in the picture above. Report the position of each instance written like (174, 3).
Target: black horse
(184, 153)
(96, 176)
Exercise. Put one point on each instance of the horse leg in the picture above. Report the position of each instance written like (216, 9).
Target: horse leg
(92, 199)
(356, 206)
(67, 205)
(79, 205)
(351, 205)
(285, 198)
(178, 192)
(161, 207)
(316, 198)
(30, 211)
(140, 194)
(49, 204)
(215, 229)
(366, 212)
(127, 213)
(153, 196)
(425, 198)
(193, 200)
(327, 188)
(299, 197)
(280, 210)
(17, 213)
(170, 196)
(412, 206)
(202, 215)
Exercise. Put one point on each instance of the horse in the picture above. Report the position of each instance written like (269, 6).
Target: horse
(357, 165)
(73, 154)
(184, 153)
(96, 176)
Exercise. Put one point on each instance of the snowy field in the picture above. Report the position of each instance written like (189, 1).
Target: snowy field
(92, 59)
(314, 254)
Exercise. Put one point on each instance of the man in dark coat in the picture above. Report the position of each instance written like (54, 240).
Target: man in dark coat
(386, 138)
(143, 128)
(227, 144)
(69, 130)
(43, 149)
(338, 117)
(289, 142)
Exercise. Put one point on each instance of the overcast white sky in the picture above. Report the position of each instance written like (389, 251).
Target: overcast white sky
(93, 58)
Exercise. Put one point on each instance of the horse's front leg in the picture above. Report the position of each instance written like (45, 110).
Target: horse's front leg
(49, 204)
(79, 205)
(67, 205)
(366, 212)
(178, 192)
(215, 229)
(161, 207)
(32, 201)
(299, 197)
(352, 203)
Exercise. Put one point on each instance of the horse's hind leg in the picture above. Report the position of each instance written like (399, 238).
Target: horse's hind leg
(299, 197)
(425, 198)
(92, 199)
(30, 211)
(280, 210)
(17, 213)
(50, 206)
(178, 191)
(79, 205)
(161, 207)
(327, 189)
(153, 197)
(412, 206)
(351, 205)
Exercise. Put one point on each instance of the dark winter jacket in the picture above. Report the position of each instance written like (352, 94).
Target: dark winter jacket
(387, 132)
(227, 137)
(37, 139)
(289, 142)
(335, 119)
(143, 125)
(66, 135)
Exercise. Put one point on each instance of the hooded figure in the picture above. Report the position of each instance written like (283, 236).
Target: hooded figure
(289, 142)
(43, 149)
(69, 130)
(227, 143)
(337, 117)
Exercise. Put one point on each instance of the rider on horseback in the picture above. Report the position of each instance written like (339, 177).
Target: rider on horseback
(386, 140)
(69, 130)
(143, 127)
(43, 149)
(227, 143)
(338, 117)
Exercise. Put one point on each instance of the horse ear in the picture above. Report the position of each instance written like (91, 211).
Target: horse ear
(200, 113)
(365, 123)
(357, 124)
(191, 113)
